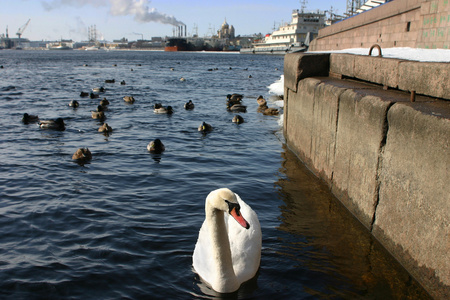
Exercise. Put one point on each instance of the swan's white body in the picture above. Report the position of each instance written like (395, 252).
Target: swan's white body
(226, 253)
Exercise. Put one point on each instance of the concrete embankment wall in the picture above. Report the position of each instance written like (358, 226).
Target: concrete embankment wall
(386, 158)
(399, 23)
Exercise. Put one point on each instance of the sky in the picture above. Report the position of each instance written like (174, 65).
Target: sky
(137, 19)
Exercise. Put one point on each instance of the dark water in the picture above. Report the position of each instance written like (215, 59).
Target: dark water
(125, 224)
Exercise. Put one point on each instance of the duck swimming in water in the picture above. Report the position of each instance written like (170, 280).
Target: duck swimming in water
(234, 99)
(98, 89)
(238, 119)
(93, 96)
(99, 114)
(237, 108)
(129, 99)
(270, 111)
(82, 154)
(74, 104)
(261, 101)
(104, 102)
(189, 105)
(163, 110)
(156, 146)
(205, 127)
(57, 124)
(26, 119)
(105, 128)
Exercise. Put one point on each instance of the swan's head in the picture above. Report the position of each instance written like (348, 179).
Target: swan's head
(225, 200)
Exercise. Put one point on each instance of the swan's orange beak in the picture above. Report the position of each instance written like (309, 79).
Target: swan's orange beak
(236, 214)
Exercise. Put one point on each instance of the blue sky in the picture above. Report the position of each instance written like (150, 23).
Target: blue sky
(132, 19)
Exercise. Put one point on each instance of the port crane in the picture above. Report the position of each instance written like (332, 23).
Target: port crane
(22, 29)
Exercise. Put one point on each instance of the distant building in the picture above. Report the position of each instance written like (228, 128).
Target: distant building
(226, 31)
(13, 43)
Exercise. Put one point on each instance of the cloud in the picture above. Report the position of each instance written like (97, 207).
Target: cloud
(139, 9)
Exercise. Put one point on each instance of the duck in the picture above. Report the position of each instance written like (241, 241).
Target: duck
(262, 108)
(123, 82)
(82, 154)
(234, 99)
(98, 89)
(94, 96)
(270, 111)
(163, 110)
(228, 249)
(182, 79)
(84, 94)
(26, 119)
(129, 99)
(99, 114)
(105, 128)
(189, 105)
(261, 101)
(156, 146)
(57, 124)
(104, 102)
(74, 103)
(110, 81)
(237, 108)
(238, 119)
(205, 127)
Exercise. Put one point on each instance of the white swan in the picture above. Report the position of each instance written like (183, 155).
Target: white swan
(228, 249)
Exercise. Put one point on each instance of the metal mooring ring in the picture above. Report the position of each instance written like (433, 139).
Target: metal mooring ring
(379, 50)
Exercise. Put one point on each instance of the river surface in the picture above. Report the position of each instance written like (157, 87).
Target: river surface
(124, 225)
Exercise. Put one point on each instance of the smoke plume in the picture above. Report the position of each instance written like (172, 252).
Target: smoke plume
(141, 12)
(139, 9)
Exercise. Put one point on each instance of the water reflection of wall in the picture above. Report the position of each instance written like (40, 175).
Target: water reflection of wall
(324, 239)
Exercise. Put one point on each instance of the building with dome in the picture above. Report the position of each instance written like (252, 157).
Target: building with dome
(226, 31)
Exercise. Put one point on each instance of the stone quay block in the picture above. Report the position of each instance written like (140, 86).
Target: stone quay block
(425, 78)
(412, 218)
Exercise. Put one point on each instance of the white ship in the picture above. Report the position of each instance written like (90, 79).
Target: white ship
(92, 48)
(290, 37)
(60, 46)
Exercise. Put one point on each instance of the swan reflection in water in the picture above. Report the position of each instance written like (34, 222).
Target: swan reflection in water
(246, 290)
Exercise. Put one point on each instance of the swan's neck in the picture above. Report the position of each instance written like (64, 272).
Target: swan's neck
(225, 277)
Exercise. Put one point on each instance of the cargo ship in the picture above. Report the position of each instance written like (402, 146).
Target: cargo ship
(178, 44)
